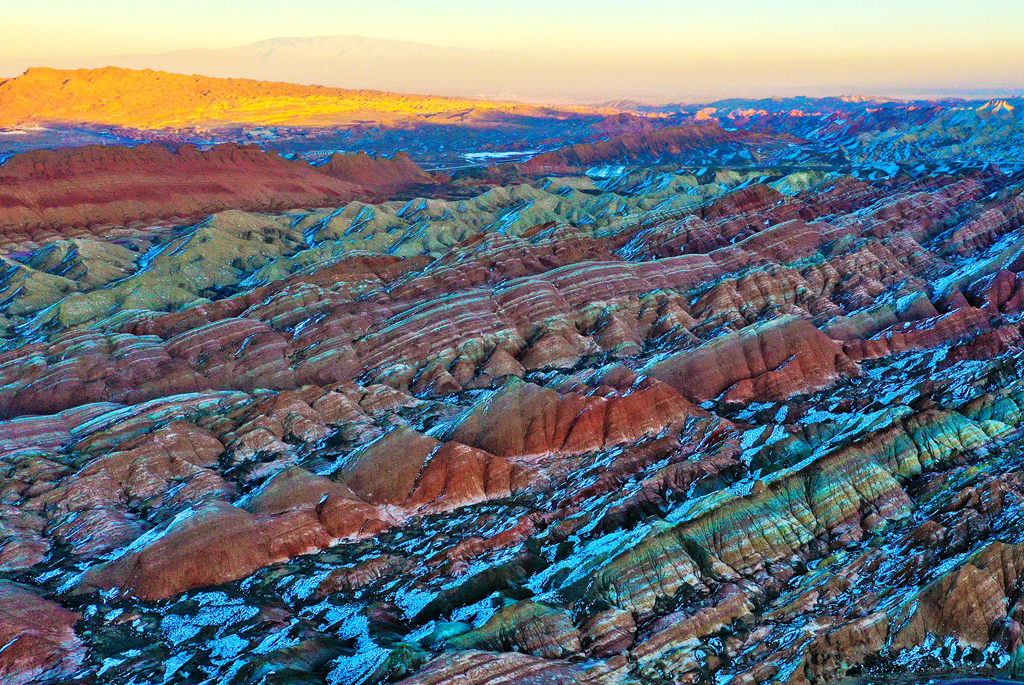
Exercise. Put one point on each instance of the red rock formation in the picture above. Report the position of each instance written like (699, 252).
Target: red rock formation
(386, 470)
(474, 666)
(208, 546)
(167, 469)
(624, 123)
(955, 326)
(977, 233)
(527, 627)
(489, 466)
(689, 235)
(525, 420)
(23, 543)
(767, 361)
(411, 470)
(456, 475)
(341, 511)
(363, 574)
(757, 198)
(653, 145)
(48, 192)
(998, 292)
(380, 174)
(674, 630)
(72, 192)
(971, 601)
(608, 633)
(38, 637)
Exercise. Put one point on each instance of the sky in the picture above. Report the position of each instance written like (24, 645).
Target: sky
(647, 49)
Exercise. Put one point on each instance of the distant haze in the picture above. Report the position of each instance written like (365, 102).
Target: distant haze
(566, 51)
(341, 61)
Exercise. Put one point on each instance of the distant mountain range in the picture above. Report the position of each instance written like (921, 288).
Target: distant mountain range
(340, 61)
(354, 62)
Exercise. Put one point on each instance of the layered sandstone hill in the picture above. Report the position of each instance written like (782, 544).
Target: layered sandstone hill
(729, 427)
(147, 99)
(648, 146)
(858, 130)
(382, 173)
(48, 195)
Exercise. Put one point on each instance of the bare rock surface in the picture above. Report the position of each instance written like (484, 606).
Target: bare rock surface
(38, 635)
(661, 423)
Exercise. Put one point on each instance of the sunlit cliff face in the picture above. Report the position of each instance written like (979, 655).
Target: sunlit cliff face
(148, 100)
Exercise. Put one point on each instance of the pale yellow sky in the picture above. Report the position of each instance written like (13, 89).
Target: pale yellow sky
(642, 48)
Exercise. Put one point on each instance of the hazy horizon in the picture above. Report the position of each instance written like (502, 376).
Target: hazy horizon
(652, 51)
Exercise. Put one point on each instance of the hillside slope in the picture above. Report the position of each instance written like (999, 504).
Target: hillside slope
(45, 194)
(149, 99)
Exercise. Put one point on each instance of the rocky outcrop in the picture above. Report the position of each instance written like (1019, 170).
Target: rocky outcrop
(414, 471)
(75, 193)
(381, 174)
(526, 627)
(210, 545)
(971, 602)
(651, 146)
(731, 426)
(770, 361)
(38, 635)
(525, 420)
(485, 667)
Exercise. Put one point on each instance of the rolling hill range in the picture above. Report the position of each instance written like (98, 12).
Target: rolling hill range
(97, 189)
(731, 394)
(346, 61)
(661, 427)
(145, 99)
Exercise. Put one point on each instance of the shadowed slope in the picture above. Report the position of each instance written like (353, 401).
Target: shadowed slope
(49, 192)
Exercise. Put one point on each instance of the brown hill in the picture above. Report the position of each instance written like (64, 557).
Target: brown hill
(49, 192)
(360, 168)
(641, 146)
(147, 99)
